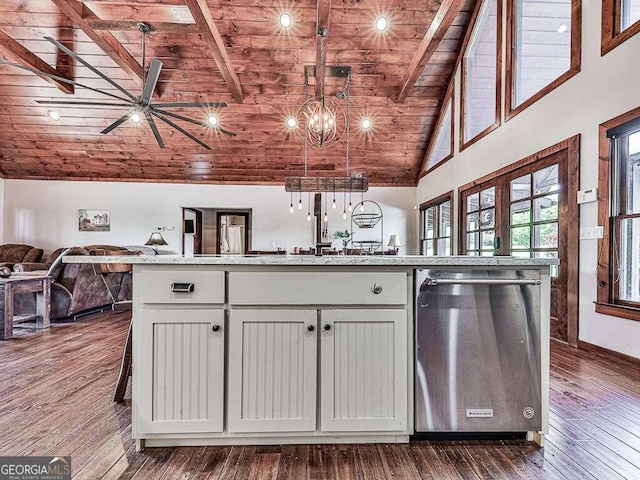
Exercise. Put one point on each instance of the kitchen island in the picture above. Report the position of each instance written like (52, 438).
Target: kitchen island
(293, 349)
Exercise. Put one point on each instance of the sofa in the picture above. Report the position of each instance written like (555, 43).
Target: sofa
(12, 253)
(79, 288)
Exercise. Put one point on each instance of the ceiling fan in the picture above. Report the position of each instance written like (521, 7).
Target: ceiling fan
(138, 106)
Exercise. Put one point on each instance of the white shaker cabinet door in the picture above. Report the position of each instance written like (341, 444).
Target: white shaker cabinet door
(272, 370)
(180, 377)
(363, 370)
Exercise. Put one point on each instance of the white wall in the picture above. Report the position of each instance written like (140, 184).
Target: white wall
(1, 210)
(44, 213)
(606, 87)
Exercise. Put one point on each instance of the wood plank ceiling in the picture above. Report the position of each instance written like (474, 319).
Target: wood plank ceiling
(231, 51)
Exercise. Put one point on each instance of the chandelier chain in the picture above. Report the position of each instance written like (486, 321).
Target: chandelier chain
(348, 85)
(306, 140)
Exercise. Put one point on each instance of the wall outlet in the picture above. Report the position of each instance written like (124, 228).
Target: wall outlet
(590, 195)
(588, 233)
(169, 228)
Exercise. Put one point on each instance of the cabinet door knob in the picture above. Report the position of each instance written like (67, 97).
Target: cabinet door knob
(311, 328)
(327, 327)
(376, 288)
(216, 328)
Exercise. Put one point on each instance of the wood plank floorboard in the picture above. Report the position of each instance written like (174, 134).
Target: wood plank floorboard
(56, 387)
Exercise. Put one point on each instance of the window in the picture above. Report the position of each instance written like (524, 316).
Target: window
(543, 49)
(619, 273)
(480, 75)
(441, 149)
(534, 215)
(620, 21)
(480, 225)
(435, 230)
(629, 13)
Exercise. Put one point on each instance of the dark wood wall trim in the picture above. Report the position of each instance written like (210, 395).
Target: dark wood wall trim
(438, 199)
(611, 355)
(611, 34)
(463, 86)
(574, 68)
(603, 302)
(572, 216)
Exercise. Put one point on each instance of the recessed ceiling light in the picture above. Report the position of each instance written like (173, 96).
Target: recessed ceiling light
(365, 123)
(54, 115)
(292, 122)
(135, 117)
(285, 20)
(381, 24)
(212, 120)
(563, 28)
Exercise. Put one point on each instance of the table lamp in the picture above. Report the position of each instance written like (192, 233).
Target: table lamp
(394, 242)
(156, 239)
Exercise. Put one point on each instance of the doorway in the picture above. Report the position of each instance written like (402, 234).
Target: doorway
(201, 227)
(232, 232)
(529, 210)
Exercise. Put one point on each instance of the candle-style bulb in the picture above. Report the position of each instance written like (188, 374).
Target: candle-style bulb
(326, 218)
(300, 205)
(350, 207)
(291, 208)
(344, 215)
(333, 205)
(308, 217)
(362, 207)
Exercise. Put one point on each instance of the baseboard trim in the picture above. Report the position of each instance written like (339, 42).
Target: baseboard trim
(609, 354)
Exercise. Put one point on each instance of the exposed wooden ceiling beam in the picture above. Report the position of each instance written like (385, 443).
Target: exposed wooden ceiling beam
(201, 14)
(80, 16)
(439, 25)
(122, 25)
(322, 30)
(19, 54)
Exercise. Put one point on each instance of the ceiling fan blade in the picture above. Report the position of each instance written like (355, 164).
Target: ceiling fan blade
(154, 129)
(116, 124)
(152, 80)
(61, 79)
(225, 131)
(93, 69)
(196, 122)
(181, 130)
(190, 104)
(88, 103)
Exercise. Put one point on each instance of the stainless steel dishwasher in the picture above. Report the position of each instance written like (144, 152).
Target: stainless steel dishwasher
(478, 351)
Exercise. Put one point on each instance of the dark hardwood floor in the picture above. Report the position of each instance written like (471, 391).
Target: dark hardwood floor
(55, 399)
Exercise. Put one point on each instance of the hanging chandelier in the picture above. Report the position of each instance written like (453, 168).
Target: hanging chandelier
(324, 121)
(322, 118)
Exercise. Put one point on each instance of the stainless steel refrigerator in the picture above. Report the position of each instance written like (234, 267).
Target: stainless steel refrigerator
(478, 351)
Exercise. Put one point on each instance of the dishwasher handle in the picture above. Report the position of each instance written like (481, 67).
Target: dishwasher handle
(432, 282)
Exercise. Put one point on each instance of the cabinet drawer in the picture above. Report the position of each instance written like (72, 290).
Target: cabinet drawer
(180, 286)
(318, 288)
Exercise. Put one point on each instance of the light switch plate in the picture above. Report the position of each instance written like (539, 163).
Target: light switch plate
(590, 195)
(588, 233)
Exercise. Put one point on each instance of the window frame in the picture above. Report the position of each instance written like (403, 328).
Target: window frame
(437, 202)
(607, 301)
(574, 64)
(463, 76)
(611, 34)
(449, 97)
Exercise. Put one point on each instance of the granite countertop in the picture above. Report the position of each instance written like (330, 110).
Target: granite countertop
(310, 260)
